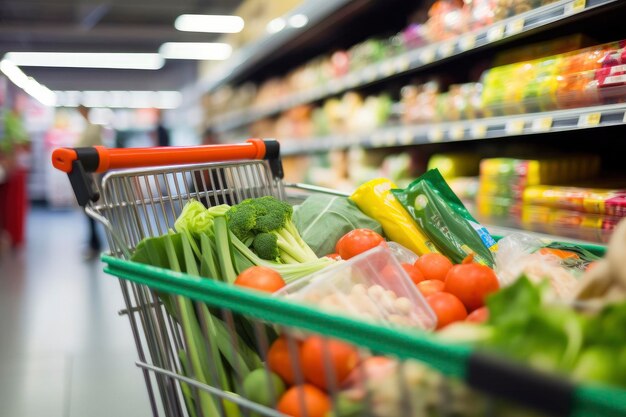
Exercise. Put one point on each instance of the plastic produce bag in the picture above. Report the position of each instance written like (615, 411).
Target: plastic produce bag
(375, 199)
(322, 220)
(445, 220)
(561, 264)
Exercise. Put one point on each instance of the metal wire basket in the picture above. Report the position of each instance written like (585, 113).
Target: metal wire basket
(203, 372)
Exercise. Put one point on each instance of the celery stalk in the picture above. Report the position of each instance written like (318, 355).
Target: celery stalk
(190, 331)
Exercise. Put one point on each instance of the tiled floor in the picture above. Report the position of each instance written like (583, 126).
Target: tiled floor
(64, 351)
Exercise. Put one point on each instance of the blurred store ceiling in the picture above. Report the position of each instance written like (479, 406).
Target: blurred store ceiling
(104, 26)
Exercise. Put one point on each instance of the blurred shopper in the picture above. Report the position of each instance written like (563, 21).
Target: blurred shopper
(162, 134)
(91, 136)
(14, 156)
(214, 188)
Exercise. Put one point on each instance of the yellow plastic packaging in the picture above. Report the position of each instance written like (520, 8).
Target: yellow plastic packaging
(375, 199)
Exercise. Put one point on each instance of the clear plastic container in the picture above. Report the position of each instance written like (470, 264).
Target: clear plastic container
(371, 286)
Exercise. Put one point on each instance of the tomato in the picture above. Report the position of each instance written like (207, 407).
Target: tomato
(357, 241)
(414, 273)
(447, 307)
(318, 353)
(434, 266)
(334, 256)
(260, 278)
(280, 360)
(430, 287)
(471, 283)
(480, 315)
(316, 403)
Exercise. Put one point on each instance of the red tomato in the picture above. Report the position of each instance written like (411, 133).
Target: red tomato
(447, 307)
(430, 287)
(318, 353)
(357, 241)
(434, 266)
(260, 278)
(304, 401)
(334, 256)
(471, 283)
(480, 315)
(414, 273)
(280, 360)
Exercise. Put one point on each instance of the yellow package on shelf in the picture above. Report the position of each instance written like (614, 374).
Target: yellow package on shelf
(375, 199)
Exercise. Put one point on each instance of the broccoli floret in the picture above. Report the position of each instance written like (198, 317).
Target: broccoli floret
(266, 247)
(262, 215)
(242, 220)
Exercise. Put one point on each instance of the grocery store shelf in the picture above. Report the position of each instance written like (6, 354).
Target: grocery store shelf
(415, 59)
(247, 57)
(486, 128)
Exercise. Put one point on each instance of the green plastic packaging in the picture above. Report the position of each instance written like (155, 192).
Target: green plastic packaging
(444, 219)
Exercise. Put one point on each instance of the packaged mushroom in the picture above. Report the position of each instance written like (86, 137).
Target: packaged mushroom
(371, 286)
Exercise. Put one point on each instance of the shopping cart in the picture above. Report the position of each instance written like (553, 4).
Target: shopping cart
(203, 373)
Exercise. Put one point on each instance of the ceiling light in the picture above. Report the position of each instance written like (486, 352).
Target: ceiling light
(111, 60)
(13, 73)
(39, 92)
(298, 20)
(276, 25)
(209, 23)
(120, 99)
(195, 50)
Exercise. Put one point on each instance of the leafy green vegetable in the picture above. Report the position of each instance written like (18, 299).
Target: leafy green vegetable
(555, 337)
(322, 220)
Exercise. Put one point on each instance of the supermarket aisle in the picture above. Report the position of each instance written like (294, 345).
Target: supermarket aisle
(64, 351)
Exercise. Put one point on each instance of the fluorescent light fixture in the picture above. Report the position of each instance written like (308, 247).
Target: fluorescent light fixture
(39, 92)
(196, 50)
(209, 23)
(13, 73)
(298, 20)
(120, 99)
(276, 25)
(111, 60)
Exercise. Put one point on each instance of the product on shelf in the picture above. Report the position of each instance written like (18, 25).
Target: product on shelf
(586, 200)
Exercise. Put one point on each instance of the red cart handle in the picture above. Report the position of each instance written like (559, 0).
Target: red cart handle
(101, 159)
(78, 162)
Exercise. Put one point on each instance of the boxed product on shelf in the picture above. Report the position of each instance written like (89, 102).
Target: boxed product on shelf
(586, 77)
(503, 181)
(587, 200)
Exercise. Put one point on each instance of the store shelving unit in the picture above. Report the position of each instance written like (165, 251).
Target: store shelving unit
(486, 128)
(540, 19)
(552, 131)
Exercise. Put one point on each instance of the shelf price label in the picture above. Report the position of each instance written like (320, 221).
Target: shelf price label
(495, 33)
(589, 119)
(575, 6)
(402, 64)
(542, 124)
(369, 74)
(479, 130)
(427, 55)
(446, 49)
(405, 137)
(514, 27)
(514, 126)
(387, 68)
(435, 134)
(457, 132)
(467, 42)
(377, 139)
